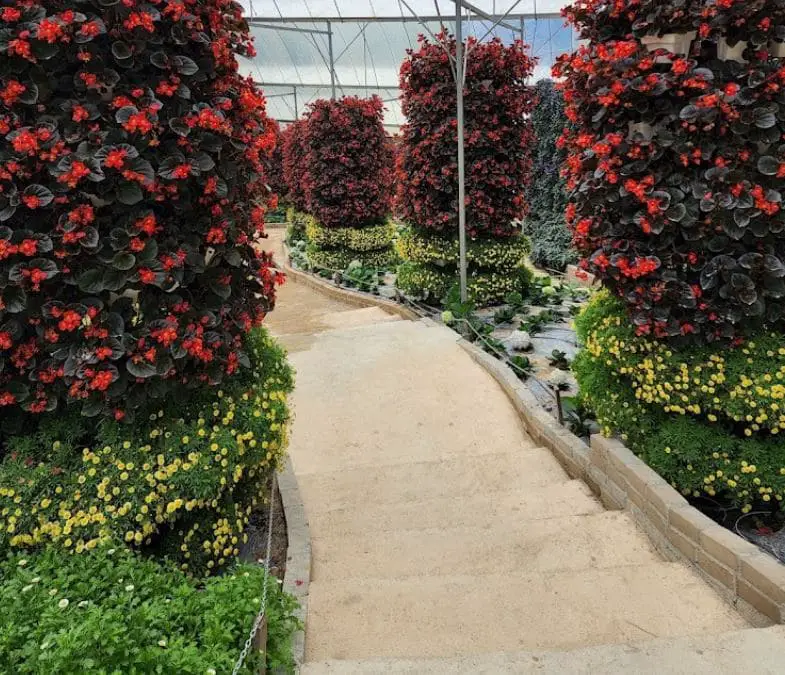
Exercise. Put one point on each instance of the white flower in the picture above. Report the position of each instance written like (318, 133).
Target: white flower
(53, 591)
(110, 551)
(22, 563)
(35, 580)
(83, 603)
(162, 643)
(129, 587)
(63, 603)
(211, 671)
(519, 341)
(558, 378)
(27, 588)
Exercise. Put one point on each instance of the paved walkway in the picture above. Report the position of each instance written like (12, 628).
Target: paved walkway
(445, 541)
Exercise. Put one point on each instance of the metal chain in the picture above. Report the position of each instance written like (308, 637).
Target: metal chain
(260, 616)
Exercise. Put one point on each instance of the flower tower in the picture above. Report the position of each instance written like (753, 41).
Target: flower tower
(132, 192)
(675, 166)
(293, 167)
(347, 184)
(550, 237)
(498, 137)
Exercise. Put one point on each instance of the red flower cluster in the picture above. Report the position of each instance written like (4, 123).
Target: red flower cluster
(498, 137)
(348, 163)
(128, 131)
(675, 163)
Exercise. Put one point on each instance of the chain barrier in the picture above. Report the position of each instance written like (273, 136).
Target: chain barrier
(260, 617)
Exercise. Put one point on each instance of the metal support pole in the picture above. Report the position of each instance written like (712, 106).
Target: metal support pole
(459, 75)
(296, 107)
(332, 60)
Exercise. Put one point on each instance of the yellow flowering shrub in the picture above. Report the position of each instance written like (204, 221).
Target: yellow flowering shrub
(340, 259)
(708, 422)
(484, 288)
(295, 217)
(371, 238)
(744, 385)
(497, 255)
(184, 481)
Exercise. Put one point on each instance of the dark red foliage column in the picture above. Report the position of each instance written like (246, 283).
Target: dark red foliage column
(498, 142)
(293, 147)
(132, 187)
(676, 161)
(349, 164)
(273, 166)
(348, 183)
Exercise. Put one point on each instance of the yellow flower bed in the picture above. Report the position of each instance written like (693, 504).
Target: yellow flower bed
(340, 259)
(484, 288)
(297, 218)
(194, 479)
(745, 385)
(361, 239)
(495, 255)
(708, 419)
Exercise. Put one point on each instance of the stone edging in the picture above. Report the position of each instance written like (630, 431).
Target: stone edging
(350, 297)
(739, 569)
(298, 554)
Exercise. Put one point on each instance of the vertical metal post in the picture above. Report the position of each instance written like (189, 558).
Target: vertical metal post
(296, 107)
(332, 60)
(459, 76)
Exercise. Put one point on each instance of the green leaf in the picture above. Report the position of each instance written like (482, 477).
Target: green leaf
(91, 281)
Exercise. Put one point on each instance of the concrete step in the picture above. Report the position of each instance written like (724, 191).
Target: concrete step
(573, 498)
(452, 616)
(454, 477)
(572, 543)
(760, 651)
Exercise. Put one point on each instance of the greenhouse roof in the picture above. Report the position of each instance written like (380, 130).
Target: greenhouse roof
(369, 39)
(337, 10)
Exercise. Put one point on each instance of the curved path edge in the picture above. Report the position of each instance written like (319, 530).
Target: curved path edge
(748, 577)
(297, 578)
(354, 298)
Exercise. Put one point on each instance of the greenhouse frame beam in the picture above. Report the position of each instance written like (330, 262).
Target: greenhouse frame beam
(265, 23)
(460, 66)
(406, 19)
(326, 85)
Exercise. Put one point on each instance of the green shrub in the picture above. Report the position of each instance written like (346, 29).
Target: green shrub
(431, 283)
(482, 254)
(371, 238)
(545, 222)
(721, 441)
(340, 259)
(112, 611)
(551, 243)
(184, 480)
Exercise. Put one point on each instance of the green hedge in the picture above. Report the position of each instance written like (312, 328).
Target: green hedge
(708, 422)
(184, 480)
(360, 239)
(547, 196)
(431, 283)
(487, 255)
(112, 611)
(338, 259)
